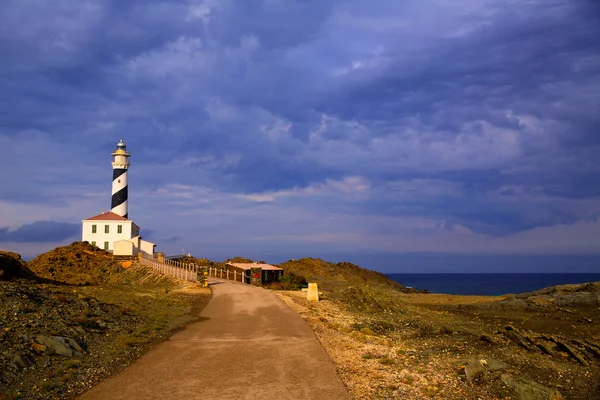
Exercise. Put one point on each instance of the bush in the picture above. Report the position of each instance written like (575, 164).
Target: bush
(368, 299)
(289, 281)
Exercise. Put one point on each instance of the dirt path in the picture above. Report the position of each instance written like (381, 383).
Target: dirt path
(249, 345)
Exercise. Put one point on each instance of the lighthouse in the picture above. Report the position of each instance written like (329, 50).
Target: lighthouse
(114, 231)
(120, 166)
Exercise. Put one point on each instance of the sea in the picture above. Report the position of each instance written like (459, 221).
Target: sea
(489, 284)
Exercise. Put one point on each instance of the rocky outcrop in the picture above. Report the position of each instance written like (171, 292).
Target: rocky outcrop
(13, 267)
(582, 351)
(490, 372)
(523, 389)
(58, 345)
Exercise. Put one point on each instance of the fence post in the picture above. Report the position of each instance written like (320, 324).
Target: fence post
(227, 274)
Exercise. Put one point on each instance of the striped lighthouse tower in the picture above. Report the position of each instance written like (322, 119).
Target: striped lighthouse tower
(120, 166)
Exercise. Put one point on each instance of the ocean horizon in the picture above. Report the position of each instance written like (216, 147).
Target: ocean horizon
(489, 284)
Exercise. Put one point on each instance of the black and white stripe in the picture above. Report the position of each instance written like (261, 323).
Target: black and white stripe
(119, 192)
(120, 166)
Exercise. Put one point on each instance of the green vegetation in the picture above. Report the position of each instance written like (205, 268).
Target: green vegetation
(79, 263)
(289, 281)
(331, 276)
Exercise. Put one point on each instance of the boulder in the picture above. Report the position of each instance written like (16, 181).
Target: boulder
(22, 361)
(38, 348)
(61, 345)
(13, 267)
(516, 336)
(524, 389)
(479, 370)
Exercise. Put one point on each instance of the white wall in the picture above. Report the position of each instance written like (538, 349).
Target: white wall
(100, 237)
(124, 248)
(147, 247)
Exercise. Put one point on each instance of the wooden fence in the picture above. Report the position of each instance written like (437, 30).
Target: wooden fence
(189, 271)
(226, 274)
(185, 271)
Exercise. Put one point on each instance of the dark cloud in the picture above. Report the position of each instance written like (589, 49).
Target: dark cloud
(174, 239)
(41, 232)
(490, 105)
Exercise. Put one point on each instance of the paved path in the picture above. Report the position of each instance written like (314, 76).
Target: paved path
(249, 346)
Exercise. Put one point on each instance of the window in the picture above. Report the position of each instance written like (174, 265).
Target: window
(106, 228)
(105, 245)
(93, 242)
(119, 228)
(93, 228)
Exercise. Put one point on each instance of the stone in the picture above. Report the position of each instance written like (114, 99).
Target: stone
(22, 361)
(61, 345)
(475, 371)
(313, 292)
(38, 348)
(528, 390)
(515, 335)
(487, 338)
(481, 371)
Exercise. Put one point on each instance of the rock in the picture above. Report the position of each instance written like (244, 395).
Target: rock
(476, 371)
(562, 345)
(38, 348)
(61, 345)
(577, 299)
(487, 339)
(22, 361)
(480, 370)
(13, 267)
(528, 390)
(515, 335)
(542, 301)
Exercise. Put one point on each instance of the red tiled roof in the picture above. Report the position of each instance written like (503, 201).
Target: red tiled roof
(246, 266)
(108, 216)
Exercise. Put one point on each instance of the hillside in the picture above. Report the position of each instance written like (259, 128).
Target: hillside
(79, 263)
(58, 340)
(330, 276)
(12, 267)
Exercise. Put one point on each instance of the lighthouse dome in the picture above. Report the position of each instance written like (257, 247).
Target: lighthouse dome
(121, 145)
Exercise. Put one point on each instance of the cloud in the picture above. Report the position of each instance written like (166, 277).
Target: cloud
(41, 232)
(332, 119)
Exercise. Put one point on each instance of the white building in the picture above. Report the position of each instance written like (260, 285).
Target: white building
(113, 231)
(105, 229)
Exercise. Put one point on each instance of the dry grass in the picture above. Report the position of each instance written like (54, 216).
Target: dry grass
(415, 346)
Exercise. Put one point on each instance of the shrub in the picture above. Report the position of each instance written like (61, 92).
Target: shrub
(368, 299)
(367, 331)
(289, 281)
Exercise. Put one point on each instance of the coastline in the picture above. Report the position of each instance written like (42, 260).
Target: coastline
(488, 284)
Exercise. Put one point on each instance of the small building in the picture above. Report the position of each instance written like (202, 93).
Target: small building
(107, 228)
(253, 272)
(132, 247)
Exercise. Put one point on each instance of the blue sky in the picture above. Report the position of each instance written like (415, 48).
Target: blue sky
(279, 129)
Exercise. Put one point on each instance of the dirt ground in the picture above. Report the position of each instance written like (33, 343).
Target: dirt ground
(423, 346)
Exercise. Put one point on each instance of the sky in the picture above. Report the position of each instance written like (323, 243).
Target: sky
(375, 131)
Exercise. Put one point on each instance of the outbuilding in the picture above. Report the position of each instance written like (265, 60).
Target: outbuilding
(253, 272)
